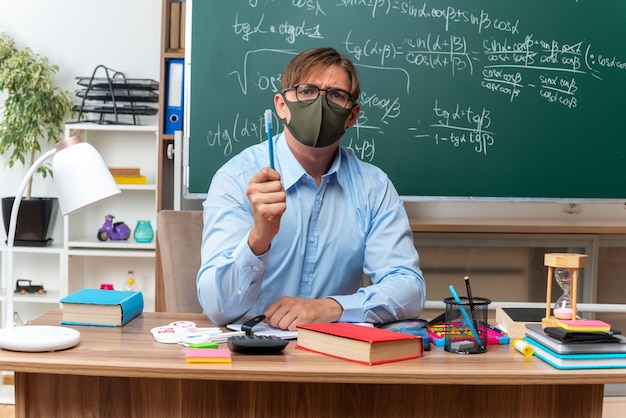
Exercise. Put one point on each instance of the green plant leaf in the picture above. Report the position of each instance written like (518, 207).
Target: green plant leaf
(34, 109)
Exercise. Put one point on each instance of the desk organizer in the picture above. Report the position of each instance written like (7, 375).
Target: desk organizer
(108, 93)
(463, 336)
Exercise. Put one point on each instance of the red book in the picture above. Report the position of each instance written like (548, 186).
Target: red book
(359, 343)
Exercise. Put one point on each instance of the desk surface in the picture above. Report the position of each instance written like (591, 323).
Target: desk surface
(131, 351)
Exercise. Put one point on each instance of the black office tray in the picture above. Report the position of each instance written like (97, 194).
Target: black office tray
(136, 96)
(111, 109)
(118, 83)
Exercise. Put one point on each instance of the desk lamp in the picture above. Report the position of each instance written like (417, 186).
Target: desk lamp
(82, 179)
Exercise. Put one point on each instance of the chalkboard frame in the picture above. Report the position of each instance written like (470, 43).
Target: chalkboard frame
(566, 186)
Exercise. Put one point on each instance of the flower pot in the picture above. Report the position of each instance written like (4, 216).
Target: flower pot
(33, 220)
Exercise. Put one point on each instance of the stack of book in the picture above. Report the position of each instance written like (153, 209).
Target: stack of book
(570, 346)
(108, 308)
(178, 11)
(127, 175)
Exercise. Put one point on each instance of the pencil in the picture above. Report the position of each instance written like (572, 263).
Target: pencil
(470, 299)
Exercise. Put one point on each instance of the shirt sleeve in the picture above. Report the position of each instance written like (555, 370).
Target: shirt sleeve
(230, 276)
(398, 289)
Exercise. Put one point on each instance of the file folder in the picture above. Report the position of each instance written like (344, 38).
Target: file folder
(174, 96)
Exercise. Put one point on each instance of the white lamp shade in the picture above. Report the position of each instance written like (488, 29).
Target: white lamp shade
(81, 177)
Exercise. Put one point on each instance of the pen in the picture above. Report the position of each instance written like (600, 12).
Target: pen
(470, 324)
(470, 299)
(491, 327)
(268, 130)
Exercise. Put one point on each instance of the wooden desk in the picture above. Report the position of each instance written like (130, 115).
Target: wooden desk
(123, 372)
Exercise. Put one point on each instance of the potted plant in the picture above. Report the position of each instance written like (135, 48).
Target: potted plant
(32, 115)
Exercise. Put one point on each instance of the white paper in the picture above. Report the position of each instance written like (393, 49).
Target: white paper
(264, 329)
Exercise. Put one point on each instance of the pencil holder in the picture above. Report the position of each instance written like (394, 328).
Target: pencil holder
(465, 331)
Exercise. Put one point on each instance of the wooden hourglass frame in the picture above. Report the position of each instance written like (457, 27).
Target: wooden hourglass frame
(562, 260)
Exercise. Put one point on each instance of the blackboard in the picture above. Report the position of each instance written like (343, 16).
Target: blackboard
(461, 99)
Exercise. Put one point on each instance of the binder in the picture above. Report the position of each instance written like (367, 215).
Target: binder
(175, 14)
(174, 96)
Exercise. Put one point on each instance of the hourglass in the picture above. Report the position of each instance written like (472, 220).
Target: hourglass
(564, 268)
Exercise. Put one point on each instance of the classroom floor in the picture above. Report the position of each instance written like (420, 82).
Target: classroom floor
(7, 411)
(613, 407)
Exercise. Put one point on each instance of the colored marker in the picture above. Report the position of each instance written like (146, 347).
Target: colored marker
(268, 130)
(491, 327)
(468, 320)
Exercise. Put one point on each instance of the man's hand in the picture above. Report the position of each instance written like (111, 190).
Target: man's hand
(269, 202)
(289, 311)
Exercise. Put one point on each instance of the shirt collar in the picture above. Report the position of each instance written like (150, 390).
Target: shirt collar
(291, 170)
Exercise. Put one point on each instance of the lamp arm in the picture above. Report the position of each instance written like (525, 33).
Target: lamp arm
(11, 235)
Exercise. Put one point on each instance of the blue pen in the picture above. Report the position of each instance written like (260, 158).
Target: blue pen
(268, 130)
(470, 324)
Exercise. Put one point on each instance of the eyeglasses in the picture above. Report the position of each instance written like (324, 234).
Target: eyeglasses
(308, 93)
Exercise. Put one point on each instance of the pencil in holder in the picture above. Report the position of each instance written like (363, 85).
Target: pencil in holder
(464, 332)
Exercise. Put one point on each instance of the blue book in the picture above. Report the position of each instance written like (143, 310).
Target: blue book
(536, 332)
(106, 308)
(577, 361)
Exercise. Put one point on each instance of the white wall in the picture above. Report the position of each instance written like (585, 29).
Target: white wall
(125, 35)
(78, 35)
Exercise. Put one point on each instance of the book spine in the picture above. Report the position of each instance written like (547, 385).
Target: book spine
(132, 307)
(369, 363)
(65, 322)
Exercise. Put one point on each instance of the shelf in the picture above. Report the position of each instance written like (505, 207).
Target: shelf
(174, 54)
(55, 248)
(146, 187)
(91, 126)
(51, 296)
(94, 243)
(111, 252)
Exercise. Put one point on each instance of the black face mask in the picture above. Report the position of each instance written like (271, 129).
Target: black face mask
(317, 124)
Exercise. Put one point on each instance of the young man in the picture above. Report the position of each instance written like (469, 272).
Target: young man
(294, 242)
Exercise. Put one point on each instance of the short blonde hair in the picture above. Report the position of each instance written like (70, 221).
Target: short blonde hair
(317, 59)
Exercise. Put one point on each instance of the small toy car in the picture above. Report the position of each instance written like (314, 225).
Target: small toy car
(114, 231)
(23, 286)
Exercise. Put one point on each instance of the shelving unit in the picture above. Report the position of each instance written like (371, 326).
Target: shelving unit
(80, 259)
(166, 141)
(166, 167)
(48, 271)
(91, 262)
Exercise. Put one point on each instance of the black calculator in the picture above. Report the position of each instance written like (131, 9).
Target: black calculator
(256, 344)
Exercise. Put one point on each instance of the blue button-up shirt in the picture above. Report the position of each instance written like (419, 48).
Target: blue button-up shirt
(353, 224)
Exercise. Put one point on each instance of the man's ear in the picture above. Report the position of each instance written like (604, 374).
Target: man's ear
(281, 107)
(354, 115)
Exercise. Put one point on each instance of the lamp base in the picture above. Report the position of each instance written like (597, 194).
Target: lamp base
(38, 338)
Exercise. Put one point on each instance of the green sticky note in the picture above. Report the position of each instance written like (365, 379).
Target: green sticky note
(206, 344)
